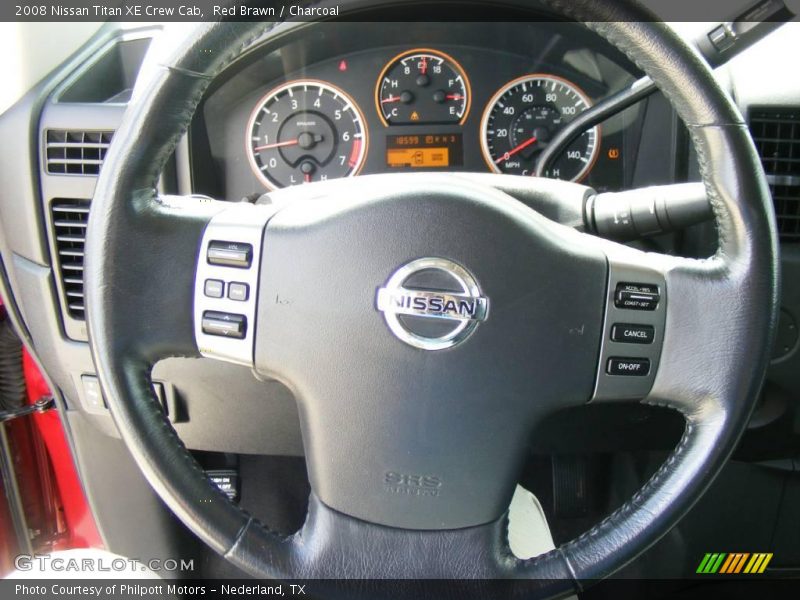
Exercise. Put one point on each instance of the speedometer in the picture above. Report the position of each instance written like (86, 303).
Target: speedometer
(305, 131)
(522, 118)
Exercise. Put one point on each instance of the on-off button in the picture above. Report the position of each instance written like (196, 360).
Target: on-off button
(631, 367)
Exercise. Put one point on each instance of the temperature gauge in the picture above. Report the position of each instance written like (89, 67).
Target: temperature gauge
(423, 86)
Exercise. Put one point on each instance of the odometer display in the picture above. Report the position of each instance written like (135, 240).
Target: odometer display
(305, 131)
(522, 118)
(427, 151)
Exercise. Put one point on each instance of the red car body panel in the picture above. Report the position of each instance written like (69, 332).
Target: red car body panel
(57, 513)
(79, 528)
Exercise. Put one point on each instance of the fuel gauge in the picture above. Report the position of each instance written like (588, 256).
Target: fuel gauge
(422, 86)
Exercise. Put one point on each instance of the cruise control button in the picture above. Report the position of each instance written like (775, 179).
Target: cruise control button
(633, 334)
(238, 291)
(636, 296)
(224, 324)
(230, 254)
(214, 288)
(631, 367)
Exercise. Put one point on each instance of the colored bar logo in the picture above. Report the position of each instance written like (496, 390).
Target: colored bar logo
(734, 563)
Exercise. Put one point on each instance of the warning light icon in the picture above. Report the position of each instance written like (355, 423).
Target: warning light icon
(415, 116)
(343, 66)
(613, 153)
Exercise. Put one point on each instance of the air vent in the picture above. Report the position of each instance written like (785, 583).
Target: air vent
(776, 133)
(72, 152)
(69, 228)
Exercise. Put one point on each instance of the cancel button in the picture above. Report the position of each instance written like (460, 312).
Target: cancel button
(633, 334)
(632, 367)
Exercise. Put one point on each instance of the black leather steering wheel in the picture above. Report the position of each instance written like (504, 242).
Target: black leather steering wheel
(412, 452)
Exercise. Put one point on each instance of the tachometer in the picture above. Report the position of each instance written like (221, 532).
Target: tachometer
(522, 118)
(305, 131)
(422, 86)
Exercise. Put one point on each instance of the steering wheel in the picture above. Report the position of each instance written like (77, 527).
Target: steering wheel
(425, 325)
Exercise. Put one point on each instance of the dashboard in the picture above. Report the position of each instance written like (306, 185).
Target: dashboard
(343, 99)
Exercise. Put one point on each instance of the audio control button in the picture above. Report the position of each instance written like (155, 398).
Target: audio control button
(224, 324)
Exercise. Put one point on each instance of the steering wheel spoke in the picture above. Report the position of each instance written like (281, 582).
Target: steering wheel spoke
(634, 325)
(226, 283)
(699, 357)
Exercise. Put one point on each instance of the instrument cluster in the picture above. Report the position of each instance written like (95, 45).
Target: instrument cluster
(435, 107)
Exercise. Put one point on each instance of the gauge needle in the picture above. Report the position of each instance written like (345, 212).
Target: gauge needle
(391, 98)
(454, 97)
(293, 142)
(423, 67)
(513, 151)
